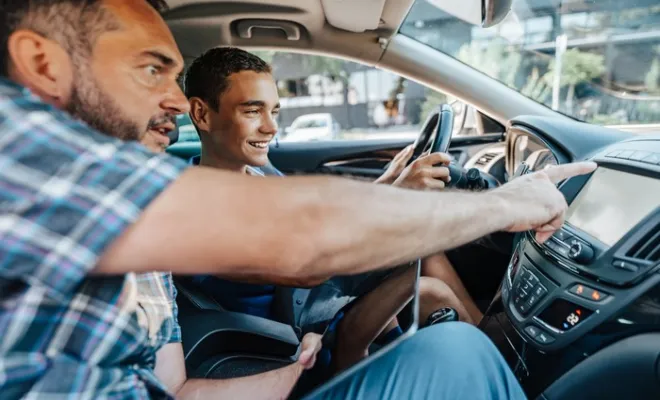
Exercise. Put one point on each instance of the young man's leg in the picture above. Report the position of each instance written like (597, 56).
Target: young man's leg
(452, 360)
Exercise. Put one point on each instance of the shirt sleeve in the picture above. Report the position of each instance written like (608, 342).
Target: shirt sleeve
(67, 192)
(175, 337)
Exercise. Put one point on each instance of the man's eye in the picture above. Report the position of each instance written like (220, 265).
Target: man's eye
(276, 112)
(152, 73)
(252, 112)
(152, 70)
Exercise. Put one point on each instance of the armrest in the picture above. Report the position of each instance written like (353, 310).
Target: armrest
(207, 333)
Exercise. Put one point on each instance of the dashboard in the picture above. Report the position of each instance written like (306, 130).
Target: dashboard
(599, 276)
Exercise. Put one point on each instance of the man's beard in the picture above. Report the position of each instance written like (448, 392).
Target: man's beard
(90, 104)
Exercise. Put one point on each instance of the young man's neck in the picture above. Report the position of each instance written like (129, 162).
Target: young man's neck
(209, 160)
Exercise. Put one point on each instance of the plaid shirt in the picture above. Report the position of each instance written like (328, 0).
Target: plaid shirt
(66, 193)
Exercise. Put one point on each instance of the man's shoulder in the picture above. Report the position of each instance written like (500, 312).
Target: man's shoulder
(78, 187)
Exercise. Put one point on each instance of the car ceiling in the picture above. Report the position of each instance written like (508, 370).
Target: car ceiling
(198, 25)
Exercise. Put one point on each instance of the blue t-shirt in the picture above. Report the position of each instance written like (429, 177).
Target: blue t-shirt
(237, 296)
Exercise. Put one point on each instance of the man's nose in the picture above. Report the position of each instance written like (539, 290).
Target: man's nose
(269, 125)
(175, 102)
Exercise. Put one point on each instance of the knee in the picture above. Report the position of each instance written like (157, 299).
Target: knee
(455, 342)
(463, 355)
(452, 335)
(435, 288)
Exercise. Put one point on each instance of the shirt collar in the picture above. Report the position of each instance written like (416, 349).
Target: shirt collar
(251, 170)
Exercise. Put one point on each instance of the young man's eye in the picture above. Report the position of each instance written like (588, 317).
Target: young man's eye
(252, 112)
(276, 112)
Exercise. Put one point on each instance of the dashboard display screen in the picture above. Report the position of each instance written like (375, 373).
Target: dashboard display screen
(564, 315)
(613, 202)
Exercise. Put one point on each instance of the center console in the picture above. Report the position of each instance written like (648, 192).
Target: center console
(595, 282)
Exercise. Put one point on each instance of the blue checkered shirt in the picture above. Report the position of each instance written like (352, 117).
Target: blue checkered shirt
(66, 193)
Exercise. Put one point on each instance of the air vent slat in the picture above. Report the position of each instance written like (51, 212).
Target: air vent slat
(647, 249)
(655, 255)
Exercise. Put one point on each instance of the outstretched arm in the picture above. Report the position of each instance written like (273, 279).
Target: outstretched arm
(301, 230)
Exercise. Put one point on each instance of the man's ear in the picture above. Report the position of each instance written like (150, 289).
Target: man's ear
(199, 114)
(42, 65)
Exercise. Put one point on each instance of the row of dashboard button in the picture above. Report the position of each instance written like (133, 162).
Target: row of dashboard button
(539, 335)
(588, 293)
(568, 246)
(527, 291)
(636, 155)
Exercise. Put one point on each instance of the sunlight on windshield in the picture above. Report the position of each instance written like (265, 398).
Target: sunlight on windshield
(597, 61)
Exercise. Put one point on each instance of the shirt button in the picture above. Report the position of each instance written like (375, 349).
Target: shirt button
(299, 301)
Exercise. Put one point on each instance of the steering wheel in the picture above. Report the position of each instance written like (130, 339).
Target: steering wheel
(435, 137)
(436, 132)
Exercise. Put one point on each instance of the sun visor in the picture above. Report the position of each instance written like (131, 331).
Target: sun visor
(353, 15)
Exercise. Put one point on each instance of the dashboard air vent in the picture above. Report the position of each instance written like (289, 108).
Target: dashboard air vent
(647, 249)
(485, 159)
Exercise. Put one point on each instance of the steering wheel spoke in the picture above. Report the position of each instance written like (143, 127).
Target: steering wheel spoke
(435, 135)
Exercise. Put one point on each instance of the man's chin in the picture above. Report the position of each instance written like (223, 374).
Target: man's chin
(258, 162)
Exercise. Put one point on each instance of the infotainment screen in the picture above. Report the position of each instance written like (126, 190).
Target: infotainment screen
(613, 202)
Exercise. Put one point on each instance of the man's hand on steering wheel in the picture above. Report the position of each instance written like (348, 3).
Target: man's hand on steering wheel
(424, 174)
(396, 166)
(421, 174)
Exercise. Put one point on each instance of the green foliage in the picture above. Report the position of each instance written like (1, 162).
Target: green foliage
(577, 67)
(536, 87)
(494, 60)
(433, 99)
(652, 79)
(605, 119)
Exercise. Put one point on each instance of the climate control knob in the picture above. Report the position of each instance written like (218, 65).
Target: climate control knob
(580, 252)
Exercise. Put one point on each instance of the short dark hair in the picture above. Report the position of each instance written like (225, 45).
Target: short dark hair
(207, 76)
(75, 24)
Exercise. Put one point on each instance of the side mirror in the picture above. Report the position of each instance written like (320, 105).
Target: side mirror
(485, 13)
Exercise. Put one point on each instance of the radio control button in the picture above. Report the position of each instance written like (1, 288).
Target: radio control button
(526, 275)
(523, 307)
(588, 293)
(532, 300)
(626, 266)
(544, 338)
(532, 331)
(540, 291)
(580, 252)
(562, 236)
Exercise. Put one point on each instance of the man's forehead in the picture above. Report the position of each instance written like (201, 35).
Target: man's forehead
(248, 85)
(145, 27)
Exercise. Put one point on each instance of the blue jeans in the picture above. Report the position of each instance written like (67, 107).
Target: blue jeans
(451, 360)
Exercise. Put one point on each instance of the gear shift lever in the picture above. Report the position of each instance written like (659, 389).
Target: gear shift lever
(446, 314)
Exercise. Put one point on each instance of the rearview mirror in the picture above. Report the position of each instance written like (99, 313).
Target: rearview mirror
(485, 13)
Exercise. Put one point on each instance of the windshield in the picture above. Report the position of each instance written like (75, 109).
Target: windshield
(597, 60)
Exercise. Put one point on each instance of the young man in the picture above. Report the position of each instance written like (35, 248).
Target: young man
(84, 211)
(234, 105)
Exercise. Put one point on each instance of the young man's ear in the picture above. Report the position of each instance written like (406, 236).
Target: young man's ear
(42, 65)
(199, 113)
